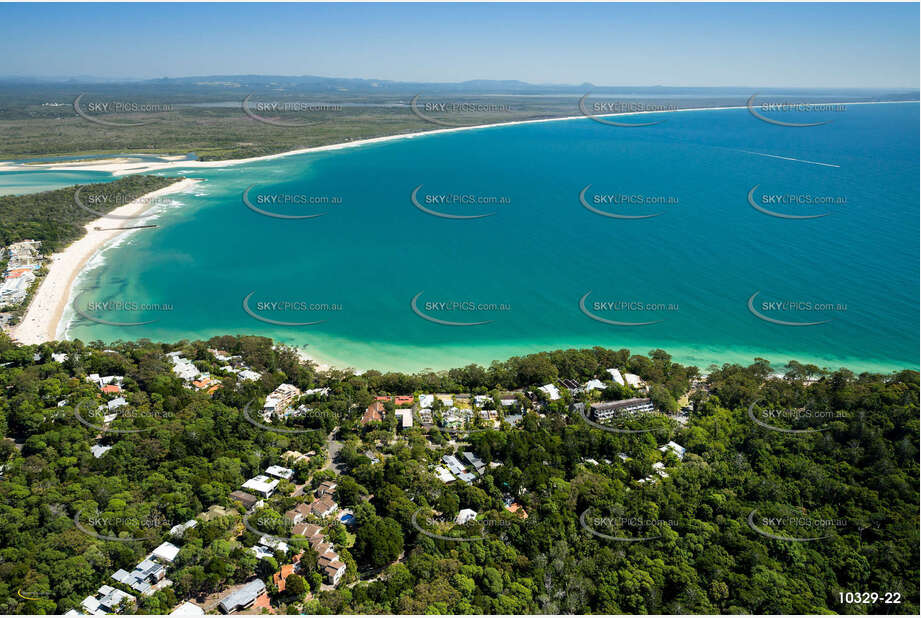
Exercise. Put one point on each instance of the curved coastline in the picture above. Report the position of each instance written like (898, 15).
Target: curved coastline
(40, 323)
(120, 168)
(52, 326)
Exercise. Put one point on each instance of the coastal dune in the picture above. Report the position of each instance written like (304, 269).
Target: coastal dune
(44, 314)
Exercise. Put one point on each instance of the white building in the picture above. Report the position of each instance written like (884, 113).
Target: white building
(464, 516)
(262, 485)
(405, 416)
(165, 551)
(188, 609)
(675, 448)
(426, 401)
(616, 376)
(551, 391)
(280, 472)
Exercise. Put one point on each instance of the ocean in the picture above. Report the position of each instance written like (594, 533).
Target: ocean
(711, 267)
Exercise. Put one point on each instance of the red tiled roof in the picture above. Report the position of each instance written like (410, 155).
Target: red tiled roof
(281, 577)
(373, 413)
(111, 389)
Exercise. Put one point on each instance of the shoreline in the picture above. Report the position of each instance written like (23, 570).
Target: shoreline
(119, 168)
(41, 320)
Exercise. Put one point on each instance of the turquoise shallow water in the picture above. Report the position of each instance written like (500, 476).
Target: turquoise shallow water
(693, 268)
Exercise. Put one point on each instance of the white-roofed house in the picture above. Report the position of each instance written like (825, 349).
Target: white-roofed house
(405, 415)
(675, 448)
(551, 391)
(616, 376)
(262, 485)
(464, 516)
(188, 609)
(280, 472)
(166, 551)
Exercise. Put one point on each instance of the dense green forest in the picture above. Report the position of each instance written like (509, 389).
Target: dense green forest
(54, 217)
(694, 543)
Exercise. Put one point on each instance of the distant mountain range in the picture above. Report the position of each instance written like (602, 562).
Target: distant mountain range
(315, 84)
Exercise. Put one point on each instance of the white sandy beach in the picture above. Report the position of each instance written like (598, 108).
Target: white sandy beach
(41, 320)
(119, 167)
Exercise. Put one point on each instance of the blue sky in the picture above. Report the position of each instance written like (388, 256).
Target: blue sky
(821, 45)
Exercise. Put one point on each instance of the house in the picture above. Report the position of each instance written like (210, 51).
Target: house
(426, 401)
(443, 475)
(115, 404)
(403, 400)
(306, 530)
(551, 391)
(183, 367)
(464, 516)
(188, 609)
(374, 413)
(261, 485)
(280, 472)
(405, 416)
(593, 385)
(659, 467)
(279, 399)
(617, 377)
(454, 464)
(634, 380)
(334, 572)
(447, 400)
(326, 488)
(475, 461)
(374, 458)
(483, 401)
(147, 577)
(281, 577)
(293, 457)
(242, 598)
(180, 529)
(98, 451)
(425, 415)
(111, 389)
(298, 513)
(166, 552)
(323, 507)
(514, 507)
(247, 500)
(382, 398)
(108, 599)
(261, 552)
(675, 448)
(605, 411)
(275, 543)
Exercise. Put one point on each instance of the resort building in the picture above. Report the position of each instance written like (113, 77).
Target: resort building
(603, 412)
(279, 399)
